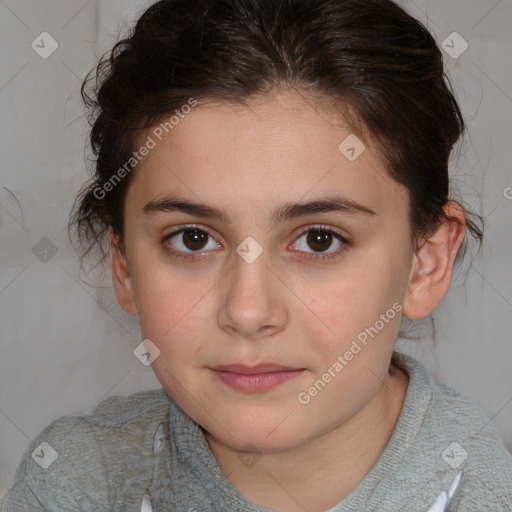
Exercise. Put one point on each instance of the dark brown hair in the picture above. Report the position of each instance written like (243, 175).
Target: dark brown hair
(370, 57)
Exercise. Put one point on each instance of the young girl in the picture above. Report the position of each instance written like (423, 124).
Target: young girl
(272, 179)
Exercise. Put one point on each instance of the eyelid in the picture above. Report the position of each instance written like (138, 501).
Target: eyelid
(322, 227)
(303, 230)
(186, 227)
(191, 256)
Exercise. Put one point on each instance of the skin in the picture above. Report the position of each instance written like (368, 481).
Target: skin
(282, 307)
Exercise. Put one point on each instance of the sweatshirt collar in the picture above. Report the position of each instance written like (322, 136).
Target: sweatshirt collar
(188, 440)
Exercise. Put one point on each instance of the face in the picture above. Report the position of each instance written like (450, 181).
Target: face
(293, 290)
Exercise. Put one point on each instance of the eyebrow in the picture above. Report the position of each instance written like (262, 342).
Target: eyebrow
(283, 213)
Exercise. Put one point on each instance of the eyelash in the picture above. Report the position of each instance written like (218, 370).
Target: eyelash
(315, 257)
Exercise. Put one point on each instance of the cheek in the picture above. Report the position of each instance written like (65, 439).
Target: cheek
(171, 318)
(170, 302)
(360, 313)
(351, 301)
(171, 315)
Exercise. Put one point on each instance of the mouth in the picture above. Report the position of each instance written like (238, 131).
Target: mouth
(257, 378)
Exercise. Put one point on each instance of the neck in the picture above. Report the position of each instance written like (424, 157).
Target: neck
(332, 464)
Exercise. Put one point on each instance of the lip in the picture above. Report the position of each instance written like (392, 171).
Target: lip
(254, 369)
(258, 378)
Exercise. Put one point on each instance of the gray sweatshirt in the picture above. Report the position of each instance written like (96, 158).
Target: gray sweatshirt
(143, 453)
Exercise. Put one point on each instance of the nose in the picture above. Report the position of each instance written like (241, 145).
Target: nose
(253, 301)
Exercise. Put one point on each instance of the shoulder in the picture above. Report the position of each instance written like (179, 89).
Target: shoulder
(116, 410)
(115, 423)
(71, 464)
(456, 434)
(473, 444)
(460, 419)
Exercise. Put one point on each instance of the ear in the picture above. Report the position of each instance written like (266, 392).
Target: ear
(432, 265)
(121, 277)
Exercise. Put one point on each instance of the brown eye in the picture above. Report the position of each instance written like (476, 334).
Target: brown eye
(191, 243)
(194, 239)
(319, 240)
(317, 243)
(189, 240)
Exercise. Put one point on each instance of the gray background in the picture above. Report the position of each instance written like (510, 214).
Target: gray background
(65, 342)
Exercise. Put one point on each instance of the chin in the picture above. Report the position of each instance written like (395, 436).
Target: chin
(254, 436)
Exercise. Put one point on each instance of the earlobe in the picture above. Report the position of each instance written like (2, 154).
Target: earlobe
(121, 278)
(433, 262)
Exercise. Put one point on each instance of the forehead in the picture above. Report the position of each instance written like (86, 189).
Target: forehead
(285, 144)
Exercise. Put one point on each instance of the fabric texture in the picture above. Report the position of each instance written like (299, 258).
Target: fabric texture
(143, 453)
